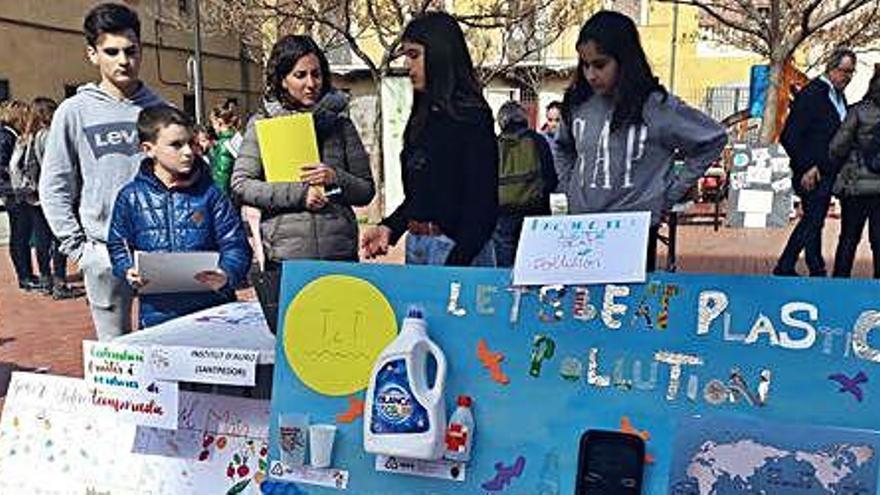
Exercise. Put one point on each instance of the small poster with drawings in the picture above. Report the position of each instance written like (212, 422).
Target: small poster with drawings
(760, 187)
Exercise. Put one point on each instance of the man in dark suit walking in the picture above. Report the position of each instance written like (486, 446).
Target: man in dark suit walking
(814, 117)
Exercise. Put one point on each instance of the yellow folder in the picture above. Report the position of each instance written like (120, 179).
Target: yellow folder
(286, 145)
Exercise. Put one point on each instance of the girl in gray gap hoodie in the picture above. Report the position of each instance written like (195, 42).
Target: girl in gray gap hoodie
(621, 130)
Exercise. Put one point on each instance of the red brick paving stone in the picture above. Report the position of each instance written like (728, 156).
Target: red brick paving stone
(50, 333)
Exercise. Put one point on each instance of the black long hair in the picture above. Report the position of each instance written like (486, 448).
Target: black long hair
(615, 35)
(451, 84)
(285, 53)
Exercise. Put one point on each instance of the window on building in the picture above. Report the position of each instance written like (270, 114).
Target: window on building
(189, 104)
(4, 90)
(70, 90)
(637, 10)
(183, 7)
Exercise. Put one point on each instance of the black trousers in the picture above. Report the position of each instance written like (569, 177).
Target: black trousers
(855, 212)
(807, 235)
(26, 224)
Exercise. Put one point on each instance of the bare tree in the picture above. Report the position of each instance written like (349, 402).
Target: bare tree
(501, 33)
(777, 29)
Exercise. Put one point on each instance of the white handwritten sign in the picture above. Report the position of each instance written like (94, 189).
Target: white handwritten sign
(120, 380)
(582, 249)
(204, 365)
(53, 441)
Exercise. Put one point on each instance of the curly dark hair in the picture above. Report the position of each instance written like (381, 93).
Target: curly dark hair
(285, 53)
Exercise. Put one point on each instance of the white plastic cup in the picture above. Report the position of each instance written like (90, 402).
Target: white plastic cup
(321, 444)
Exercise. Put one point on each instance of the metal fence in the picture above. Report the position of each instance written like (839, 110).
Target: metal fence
(722, 102)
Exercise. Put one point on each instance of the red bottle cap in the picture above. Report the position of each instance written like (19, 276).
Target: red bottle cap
(464, 401)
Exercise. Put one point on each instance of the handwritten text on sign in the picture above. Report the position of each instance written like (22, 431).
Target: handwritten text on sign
(120, 381)
(204, 365)
(582, 249)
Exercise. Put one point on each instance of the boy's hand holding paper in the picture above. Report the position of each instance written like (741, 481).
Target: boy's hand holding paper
(213, 279)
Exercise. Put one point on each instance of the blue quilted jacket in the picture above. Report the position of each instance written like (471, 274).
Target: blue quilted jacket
(147, 216)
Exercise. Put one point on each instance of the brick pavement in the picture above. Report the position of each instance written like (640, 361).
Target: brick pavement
(36, 331)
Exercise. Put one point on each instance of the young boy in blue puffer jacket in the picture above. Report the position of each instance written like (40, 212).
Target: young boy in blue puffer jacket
(172, 205)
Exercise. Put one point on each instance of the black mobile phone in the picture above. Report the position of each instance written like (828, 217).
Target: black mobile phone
(610, 463)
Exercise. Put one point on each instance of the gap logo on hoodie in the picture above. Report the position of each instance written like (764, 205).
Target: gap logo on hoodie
(601, 176)
(112, 137)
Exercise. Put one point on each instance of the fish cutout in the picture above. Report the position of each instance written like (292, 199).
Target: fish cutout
(626, 426)
(504, 475)
(492, 362)
(355, 410)
(851, 385)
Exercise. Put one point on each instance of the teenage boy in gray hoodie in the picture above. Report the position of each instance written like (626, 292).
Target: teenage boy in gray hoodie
(90, 155)
(621, 130)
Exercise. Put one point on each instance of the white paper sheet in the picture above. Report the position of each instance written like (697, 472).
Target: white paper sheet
(754, 201)
(174, 272)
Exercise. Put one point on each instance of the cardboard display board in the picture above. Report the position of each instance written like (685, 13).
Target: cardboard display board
(546, 364)
(760, 187)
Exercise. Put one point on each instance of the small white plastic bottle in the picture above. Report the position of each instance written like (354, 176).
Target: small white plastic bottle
(403, 417)
(460, 433)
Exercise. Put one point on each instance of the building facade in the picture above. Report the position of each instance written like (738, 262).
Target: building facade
(44, 54)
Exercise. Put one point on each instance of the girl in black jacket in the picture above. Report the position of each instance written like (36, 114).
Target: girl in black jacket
(449, 157)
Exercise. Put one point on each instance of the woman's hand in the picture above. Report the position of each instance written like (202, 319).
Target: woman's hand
(214, 279)
(315, 198)
(318, 175)
(375, 241)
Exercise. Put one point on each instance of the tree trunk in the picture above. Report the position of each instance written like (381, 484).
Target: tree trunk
(769, 129)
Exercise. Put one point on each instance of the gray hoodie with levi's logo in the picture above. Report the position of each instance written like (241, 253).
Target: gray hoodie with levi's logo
(91, 152)
(631, 169)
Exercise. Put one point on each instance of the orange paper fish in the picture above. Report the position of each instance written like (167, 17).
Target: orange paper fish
(355, 410)
(492, 362)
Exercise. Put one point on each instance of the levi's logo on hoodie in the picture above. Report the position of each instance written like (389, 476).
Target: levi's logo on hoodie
(114, 137)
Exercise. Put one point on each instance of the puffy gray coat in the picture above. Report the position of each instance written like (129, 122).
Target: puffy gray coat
(855, 133)
(289, 230)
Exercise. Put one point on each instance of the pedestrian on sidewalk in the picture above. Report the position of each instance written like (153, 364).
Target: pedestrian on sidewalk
(449, 157)
(50, 259)
(621, 130)
(856, 185)
(814, 117)
(17, 197)
(225, 121)
(91, 153)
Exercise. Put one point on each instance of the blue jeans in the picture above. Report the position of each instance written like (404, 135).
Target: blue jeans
(434, 249)
(506, 237)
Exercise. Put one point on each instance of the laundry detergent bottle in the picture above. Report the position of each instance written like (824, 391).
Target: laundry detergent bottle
(403, 417)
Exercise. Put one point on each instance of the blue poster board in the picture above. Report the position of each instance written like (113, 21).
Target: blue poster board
(641, 357)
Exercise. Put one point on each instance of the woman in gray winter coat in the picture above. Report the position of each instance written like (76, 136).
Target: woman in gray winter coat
(857, 187)
(300, 219)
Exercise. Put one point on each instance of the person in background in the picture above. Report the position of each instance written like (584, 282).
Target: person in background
(52, 262)
(621, 129)
(301, 220)
(172, 205)
(449, 157)
(17, 198)
(553, 117)
(526, 177)
(856, 185)
(203, 142)
(91, 153)
(225, 122)
(813, 119)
